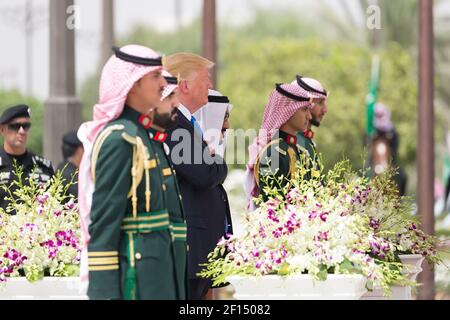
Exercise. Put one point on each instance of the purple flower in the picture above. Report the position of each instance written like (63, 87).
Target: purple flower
(277, 233)
(15, 257)
(322, 236)
(42, 199)
(312, 215)
(262, 232)
(374, 223)
(324, 216)
(272, 216)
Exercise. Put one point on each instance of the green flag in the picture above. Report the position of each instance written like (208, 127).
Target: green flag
(446, 169)
(446, 164)
(372, 96)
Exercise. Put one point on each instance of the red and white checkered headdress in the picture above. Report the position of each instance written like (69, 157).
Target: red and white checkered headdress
(172, 84)
(312, 86)
(283, 103)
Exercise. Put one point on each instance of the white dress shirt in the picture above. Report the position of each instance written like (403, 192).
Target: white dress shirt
(185, 112)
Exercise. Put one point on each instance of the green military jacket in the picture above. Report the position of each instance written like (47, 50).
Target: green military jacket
(310, 146)
(138, 230)
(278, 161)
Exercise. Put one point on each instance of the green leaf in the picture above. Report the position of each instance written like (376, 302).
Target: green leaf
(284, 269)
(323, 273)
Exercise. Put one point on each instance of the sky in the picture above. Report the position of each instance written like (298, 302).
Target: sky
(128, 13)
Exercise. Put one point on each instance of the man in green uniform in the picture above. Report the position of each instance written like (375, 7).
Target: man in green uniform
(275, 155)
(318, 110)
(133, 224)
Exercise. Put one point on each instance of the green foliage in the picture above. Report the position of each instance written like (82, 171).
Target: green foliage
(399, 21)
(270, 24)
(13, 97)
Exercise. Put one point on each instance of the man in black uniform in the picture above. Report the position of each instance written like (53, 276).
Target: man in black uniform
(14, 127)
(72, 150)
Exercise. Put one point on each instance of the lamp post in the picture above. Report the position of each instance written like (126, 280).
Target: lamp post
(425, 147)
(210, 36)
(62, 110)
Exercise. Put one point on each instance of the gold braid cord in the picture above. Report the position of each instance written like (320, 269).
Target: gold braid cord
(258, 160)
(292, 161)
(140, 156)
(98, 144)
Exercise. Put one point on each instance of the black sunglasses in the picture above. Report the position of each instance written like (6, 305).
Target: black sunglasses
(16, 126)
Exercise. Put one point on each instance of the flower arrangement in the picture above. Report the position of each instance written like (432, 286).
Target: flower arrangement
(390, 215)
(39, 230)
(338, 223)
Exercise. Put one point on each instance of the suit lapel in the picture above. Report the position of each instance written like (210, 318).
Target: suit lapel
(185, 123)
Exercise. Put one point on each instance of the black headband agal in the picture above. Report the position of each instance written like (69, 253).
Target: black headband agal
(288, 94)
(218, 99)
(137, 60)
(307, 87)
(171, 80)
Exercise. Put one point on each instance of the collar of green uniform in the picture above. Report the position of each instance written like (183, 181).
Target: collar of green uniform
(156, 135)
(131, 114)
(290, 139)
(137, 117)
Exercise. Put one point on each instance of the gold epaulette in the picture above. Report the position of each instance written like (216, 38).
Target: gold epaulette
(98, 144)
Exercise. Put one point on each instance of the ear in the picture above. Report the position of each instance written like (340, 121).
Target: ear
(134, 87)
(183, 86)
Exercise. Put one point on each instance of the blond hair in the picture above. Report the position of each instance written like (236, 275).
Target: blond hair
(185, 65)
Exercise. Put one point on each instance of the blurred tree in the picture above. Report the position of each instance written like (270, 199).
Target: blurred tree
(13, 97)
(275, 23)
(398, 22)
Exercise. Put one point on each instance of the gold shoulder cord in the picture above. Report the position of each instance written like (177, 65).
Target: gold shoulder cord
(139, 164)
(292, 161)
(258, 160)
(98, 144)
(140, 156)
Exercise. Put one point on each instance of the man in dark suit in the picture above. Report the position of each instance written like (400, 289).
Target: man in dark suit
(200, 172)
